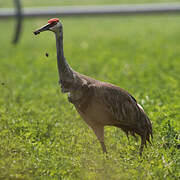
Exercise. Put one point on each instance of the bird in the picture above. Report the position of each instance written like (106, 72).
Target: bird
(99, 103)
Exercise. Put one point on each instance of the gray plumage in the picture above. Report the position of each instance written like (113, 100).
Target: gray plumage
(98, 103)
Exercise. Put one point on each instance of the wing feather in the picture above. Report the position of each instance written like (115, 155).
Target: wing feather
(124, 109)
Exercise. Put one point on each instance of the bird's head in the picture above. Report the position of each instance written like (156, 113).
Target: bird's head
(53, 25)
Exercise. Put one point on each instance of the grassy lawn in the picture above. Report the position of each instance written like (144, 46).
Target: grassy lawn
(41, 134)
(34, 3)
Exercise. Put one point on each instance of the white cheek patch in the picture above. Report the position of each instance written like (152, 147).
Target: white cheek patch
(55, 29)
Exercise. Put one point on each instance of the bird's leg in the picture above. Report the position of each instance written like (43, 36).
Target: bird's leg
(103, 147)
(99, 132)
(143, 142)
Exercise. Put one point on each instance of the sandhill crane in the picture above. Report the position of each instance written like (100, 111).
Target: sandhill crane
(99, 103)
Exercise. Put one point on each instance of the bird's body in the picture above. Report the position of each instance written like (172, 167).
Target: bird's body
(103, 104)
(98, 103)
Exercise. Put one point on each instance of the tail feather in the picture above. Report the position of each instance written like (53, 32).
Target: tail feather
(142, 127)
(147, 128)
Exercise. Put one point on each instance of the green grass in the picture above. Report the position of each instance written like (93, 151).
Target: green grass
(41, 134)
(34, 3)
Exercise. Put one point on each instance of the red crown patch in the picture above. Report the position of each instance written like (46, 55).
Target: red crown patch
(53, 20)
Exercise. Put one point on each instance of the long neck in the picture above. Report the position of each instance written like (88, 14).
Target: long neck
(63, 67)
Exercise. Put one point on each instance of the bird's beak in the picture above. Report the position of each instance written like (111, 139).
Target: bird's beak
(44, 28)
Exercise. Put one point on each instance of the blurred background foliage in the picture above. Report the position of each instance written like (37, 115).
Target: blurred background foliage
(34, 3)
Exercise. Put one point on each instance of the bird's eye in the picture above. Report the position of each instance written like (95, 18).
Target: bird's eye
(53, 23)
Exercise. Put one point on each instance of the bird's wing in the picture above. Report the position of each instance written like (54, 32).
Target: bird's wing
(119, 103)
(129, 115)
